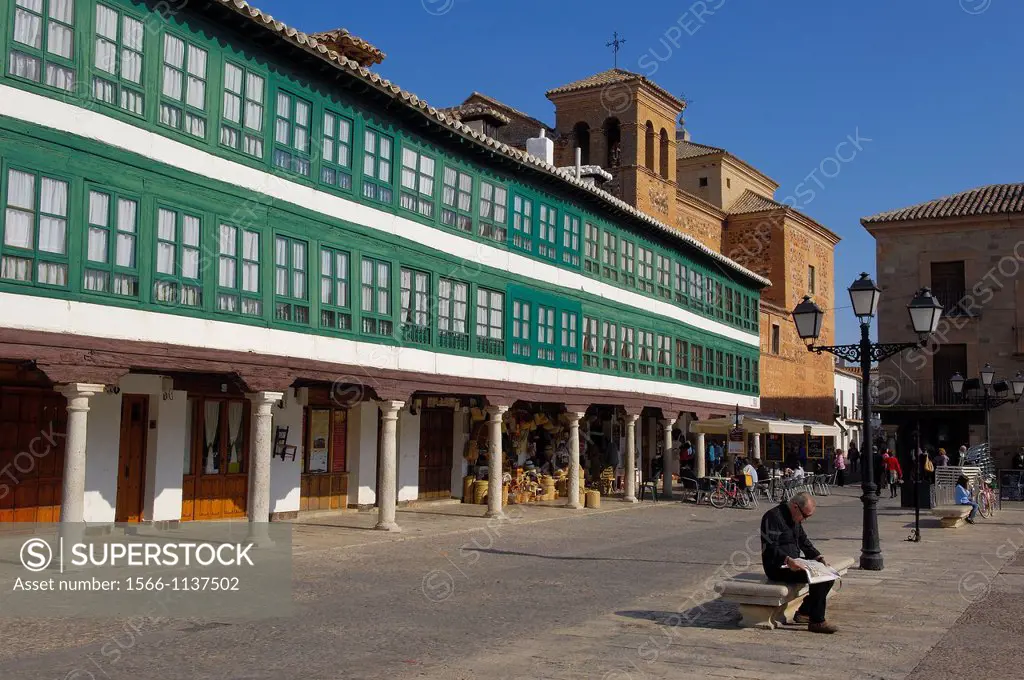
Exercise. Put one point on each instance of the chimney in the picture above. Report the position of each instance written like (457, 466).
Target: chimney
(579, 161)
(541, 147)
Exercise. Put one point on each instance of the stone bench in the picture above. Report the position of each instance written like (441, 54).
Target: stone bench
(768, 604)
(951, 516)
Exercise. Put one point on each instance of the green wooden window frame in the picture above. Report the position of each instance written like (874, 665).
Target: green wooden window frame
(696, 290)
(719, 300)
(375, 300)
(679, 284)
(177, 271)
(336, 151)
(522, 329)
(293, 121)
(547, 231)
(645, 352)
(457, 199)
(609, 256)
(453, 314)
(335, 289)
(546, 318)
(663, 359)
(378, 161)
(569, 334)
(664, 274)
(571, 240)
(43, 42)
(645, 270)
(627, 348)
(755, 376)
(591, 249)
(291, 279)
(243, 110)
(414, 305)
(682, 363)
(238, 270)
(490, 321)
(719, 367)
(417, 191)
(522, 223)
(627, 262)
(610, 346)
(591, 355)
(493, 212)
(697, 374)
(183, 86)
(111, 264)
(36, 235)
(730, 373)
(119, 59)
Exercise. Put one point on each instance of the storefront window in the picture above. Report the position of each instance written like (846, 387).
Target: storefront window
(222, 436)
(325, 436)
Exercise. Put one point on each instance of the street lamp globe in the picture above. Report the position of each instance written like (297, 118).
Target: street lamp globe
(957, 383)
(925, 312)
(988, 374)
(808, 318)
(864, 296)
(1018, 385)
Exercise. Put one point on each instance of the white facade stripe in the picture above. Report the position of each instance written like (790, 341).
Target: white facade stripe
(65, 117)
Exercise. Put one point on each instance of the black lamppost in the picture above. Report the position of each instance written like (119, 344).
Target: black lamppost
(992, 391)
(925, 312)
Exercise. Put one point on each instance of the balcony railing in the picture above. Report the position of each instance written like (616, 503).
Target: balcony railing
(951, 298)
(888, 392)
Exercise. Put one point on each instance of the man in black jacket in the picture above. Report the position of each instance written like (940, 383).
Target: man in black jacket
(782, 540)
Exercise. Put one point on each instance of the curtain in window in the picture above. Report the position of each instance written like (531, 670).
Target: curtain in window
(250, 269)
(211, 460)
(253, 102)
(298, 270)
(166, 230)
(190, 253)
(383, 287)
(99, 210)
(232, 88)
(196, 92)
(131, 59)
(367, 278)
(497, 304)
(281, 259)
(460, 307)
(126, 211)
(226, 272)
(53, 204)
(235, 436)
(28, 27)
(444, 299)
(24, 66)
(174, 56)
(406, 289)
(20, 209)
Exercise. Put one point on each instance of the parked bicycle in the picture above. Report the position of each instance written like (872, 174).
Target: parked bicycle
(726, 491)
(985, 497)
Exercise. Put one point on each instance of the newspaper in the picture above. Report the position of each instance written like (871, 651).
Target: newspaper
(816, 571)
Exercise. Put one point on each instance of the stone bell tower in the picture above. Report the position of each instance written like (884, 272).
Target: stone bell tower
(626, 124)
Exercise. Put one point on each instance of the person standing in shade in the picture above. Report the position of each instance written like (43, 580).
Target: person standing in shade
(840, 463)
(782, 542)
(854, 458)
(941, 460)
(1018, 460)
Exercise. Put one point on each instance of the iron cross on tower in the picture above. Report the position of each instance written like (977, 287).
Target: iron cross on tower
(616, 45)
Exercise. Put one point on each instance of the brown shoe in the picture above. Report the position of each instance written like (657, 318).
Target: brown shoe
(823, 627)
(801, 618)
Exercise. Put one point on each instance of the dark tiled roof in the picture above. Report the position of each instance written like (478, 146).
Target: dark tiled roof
(995, 199)
(352, 46)
(502, 106)
(751, 202)
(694, 150)
(614, 75)
(313, 46)
(475, 110)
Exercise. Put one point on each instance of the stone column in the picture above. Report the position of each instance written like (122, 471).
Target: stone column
(261, 451)
(574, 459)
(667, 459)
(701, 457)
(72, 506)
(387, 496)
(494, 461)
(631, 419)
(755, 447)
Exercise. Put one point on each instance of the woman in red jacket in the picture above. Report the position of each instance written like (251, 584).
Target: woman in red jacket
(895, 474)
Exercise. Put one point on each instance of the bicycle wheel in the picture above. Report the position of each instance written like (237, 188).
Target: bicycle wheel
(719, 498)
(984, 505)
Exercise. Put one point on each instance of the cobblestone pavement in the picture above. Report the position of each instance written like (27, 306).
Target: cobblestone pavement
(618, 594)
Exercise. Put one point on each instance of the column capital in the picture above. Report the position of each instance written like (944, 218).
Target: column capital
(667, 424)
(75, 390)
(632, 418)
(578, 415)
(264, 397)
(390, 407)
(497, 410)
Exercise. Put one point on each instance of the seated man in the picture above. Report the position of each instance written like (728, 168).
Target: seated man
(782, 540)
(963, 497)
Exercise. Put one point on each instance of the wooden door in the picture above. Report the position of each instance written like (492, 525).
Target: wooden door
(33, 427)
(131, 461)
(215, 482)
(436, 453)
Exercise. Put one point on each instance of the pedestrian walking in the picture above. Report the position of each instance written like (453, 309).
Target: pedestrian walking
(840, 463)
(854, 458)
(894, 474)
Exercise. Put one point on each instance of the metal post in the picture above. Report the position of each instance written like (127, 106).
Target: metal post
(918, 470)
(870, 551)
(988, 433)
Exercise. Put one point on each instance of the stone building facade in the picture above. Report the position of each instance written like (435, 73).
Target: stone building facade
(969, 249)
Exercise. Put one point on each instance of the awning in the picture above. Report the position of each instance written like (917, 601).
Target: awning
(753, 424)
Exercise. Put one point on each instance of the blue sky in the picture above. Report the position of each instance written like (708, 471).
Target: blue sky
(934, 85)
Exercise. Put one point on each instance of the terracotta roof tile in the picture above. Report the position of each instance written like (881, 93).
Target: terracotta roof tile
(614, 75)
(994, 199)
(316, 48)
(477, 110)
(751, 202)
(694, 150)
(341, 36)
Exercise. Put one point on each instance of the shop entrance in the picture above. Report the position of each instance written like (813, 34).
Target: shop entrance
(436, 443)
(131, 461)
(216, 469)
(33, 425)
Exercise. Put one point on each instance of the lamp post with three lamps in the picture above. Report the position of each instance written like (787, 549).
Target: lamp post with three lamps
(925, 313)
(991, 391)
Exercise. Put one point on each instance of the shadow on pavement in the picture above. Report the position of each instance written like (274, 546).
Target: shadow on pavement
(713, 614)
(492, 551)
